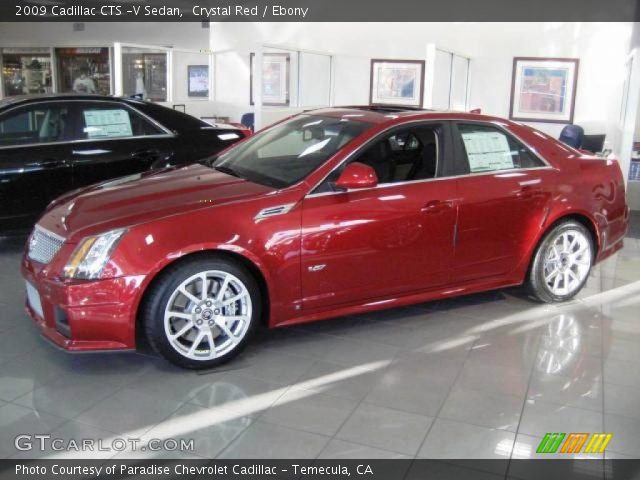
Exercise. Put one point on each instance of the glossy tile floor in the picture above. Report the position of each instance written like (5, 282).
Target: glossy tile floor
(484, 376)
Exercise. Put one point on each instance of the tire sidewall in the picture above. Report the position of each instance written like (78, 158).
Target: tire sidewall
(159, 296)
(536, 280)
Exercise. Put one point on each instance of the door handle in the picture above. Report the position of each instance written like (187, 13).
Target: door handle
(435, 206)
(145, 153)
(90, 151)
(47, 164)
(527, 191)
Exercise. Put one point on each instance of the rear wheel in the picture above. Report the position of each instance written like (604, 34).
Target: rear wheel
(202, 312)
(562, 263)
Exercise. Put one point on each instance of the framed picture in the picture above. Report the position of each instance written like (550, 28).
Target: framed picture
(198, 80)
(275, 78)
(397, 82)
(544, 89)
(180, 107)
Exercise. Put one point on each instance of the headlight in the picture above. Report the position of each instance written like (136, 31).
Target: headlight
(91, 255)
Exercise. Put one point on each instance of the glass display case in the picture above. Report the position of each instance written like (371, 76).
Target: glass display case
(26, 71)
(144, 73)
(83, 70)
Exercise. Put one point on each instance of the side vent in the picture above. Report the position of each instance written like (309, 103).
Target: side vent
(273, 211)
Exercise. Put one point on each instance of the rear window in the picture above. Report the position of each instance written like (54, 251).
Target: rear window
(490, 149)
(102, 121)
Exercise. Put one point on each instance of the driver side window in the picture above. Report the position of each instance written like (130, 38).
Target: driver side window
(405, 155)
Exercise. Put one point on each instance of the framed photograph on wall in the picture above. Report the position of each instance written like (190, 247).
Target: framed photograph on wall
(544, 89)
(275, 79)
(198, 80)
(397, 82)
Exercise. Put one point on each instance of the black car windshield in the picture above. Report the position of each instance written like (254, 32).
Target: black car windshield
(288, 152)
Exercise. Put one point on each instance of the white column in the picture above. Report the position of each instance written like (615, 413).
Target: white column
(118, 89)
(628, 126)
(257, 88)
(169, 76)
(429, 75)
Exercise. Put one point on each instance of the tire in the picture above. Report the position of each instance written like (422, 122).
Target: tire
(177, 314)
(558, 274)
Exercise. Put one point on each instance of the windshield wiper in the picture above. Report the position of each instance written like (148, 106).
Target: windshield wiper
(227, 170)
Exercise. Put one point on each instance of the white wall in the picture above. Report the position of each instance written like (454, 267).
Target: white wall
(630, 125)
(601, 47)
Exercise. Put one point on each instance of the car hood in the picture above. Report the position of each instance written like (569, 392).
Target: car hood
(141, 198)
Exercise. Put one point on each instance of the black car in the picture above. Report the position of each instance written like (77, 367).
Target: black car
(51, 144)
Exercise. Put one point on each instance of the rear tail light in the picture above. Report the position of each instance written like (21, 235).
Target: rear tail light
(246, 131)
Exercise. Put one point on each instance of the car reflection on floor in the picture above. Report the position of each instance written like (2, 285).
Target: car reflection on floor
(483, 376)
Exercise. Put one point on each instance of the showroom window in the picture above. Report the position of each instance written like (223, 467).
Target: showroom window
(489, 149)
(276, 78)
(113, 121)
(35, 124)
(26, 72)
(450, 81)
(292, 78)
(144, 73)
(83, 70)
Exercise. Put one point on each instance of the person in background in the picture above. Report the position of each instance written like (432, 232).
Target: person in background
(141, 91)
(84, 83)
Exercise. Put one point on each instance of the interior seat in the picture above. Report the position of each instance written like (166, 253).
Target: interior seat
(378, 157)
(426, 166)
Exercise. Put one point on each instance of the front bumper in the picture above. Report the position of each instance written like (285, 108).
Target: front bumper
(81, 316)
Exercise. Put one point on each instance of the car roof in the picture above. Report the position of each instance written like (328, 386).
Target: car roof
(62, 96)
(394, 114)
(168, 117)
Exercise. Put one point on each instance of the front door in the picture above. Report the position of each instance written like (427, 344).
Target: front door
(393, 239)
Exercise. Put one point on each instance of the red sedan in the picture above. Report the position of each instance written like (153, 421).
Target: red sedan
(328, 213)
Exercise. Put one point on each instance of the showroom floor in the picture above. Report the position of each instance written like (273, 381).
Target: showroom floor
(484, 376)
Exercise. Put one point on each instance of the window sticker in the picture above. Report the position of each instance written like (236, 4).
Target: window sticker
(487, 151)
(107, 123)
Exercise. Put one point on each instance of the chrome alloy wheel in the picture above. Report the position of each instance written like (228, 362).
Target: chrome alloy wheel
(208, 315)
(567, 262)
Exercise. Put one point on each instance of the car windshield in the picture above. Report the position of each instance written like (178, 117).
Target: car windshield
(288, 152)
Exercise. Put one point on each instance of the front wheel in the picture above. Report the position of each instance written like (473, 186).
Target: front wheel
(202, 312)
(562, 263)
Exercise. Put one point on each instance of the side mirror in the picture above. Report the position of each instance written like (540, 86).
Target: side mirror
(357, 175)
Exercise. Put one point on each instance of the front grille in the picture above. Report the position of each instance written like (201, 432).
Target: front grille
(43, 245)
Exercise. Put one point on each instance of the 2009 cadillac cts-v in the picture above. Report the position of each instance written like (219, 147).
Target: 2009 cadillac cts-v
(328, 213)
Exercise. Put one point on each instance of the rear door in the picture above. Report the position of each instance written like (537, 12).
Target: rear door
(116, 140)
(502, 198)
(35, 162)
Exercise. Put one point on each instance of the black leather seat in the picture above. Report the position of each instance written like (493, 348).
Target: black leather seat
(378, 157)
(425, 167)
(572, 135)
